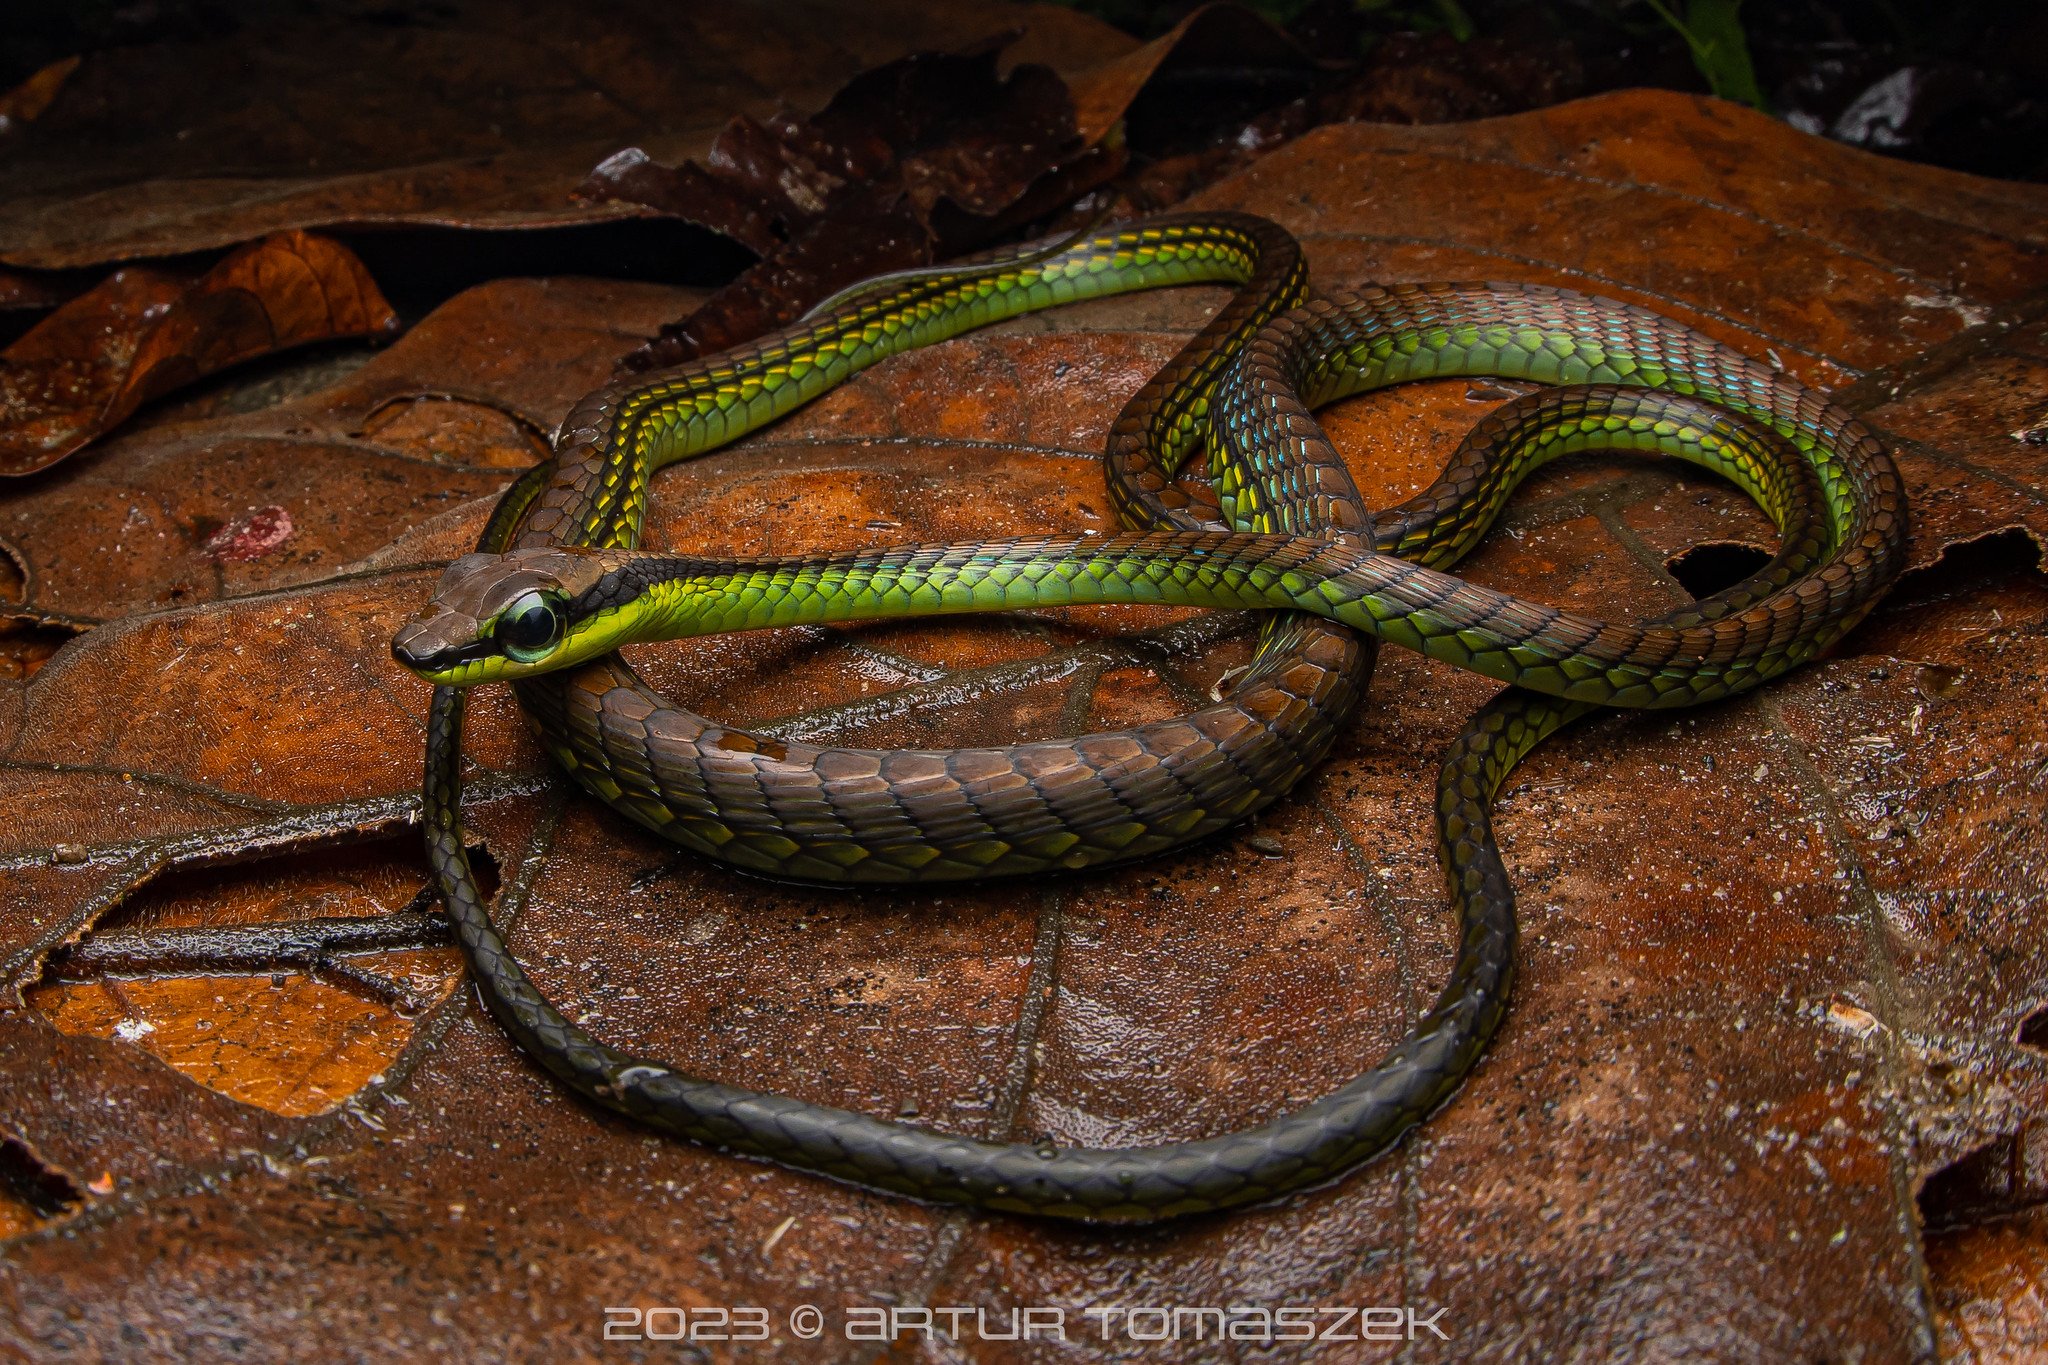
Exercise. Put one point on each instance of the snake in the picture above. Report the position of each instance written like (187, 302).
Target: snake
(559, 583)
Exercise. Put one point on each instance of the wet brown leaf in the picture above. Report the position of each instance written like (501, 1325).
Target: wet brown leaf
(85, 368)
(1782, 974)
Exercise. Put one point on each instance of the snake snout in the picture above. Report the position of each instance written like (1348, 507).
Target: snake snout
(429, 644)
(413, 645)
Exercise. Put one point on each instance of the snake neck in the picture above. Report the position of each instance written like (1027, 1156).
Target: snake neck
(611, 445)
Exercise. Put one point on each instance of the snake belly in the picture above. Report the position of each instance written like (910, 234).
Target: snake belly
(1816, 471)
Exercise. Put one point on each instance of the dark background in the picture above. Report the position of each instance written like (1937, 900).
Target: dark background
(1955, 83)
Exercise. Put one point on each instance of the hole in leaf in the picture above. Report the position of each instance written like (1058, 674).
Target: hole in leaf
(286, 982)
(1966, 567)
(1707, 568)
(31, 1193)
(1936, 614)
(26, 645)
(420, 267)
(2034, 1030)
(2003, 1177)
(27, 637)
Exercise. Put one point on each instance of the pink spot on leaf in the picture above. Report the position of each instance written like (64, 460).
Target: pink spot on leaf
(252, 535)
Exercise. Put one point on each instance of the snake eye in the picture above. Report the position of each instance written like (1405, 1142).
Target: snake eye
(529, 628)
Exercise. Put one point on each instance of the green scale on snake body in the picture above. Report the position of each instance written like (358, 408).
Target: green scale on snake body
(557, 586)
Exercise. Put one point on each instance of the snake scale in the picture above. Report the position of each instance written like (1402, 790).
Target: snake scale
(558, 584)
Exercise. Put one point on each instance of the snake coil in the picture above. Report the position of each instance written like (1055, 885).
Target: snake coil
(1292, 535)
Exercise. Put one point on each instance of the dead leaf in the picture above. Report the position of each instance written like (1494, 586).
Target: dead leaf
(925, 158)
(143, 333)
(26, 102)
(1213, 36)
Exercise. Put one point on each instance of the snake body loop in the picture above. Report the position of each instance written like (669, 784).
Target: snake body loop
(1295, 538)
(737, 796)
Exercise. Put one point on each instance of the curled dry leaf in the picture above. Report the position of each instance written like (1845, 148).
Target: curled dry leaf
(922, 158)
(143, 333)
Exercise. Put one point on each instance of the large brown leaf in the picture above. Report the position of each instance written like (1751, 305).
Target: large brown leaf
(1779, 955)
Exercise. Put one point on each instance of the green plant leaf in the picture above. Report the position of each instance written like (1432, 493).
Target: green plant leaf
(1720, 48)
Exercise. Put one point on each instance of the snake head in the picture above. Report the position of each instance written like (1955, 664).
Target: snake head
(498, 617)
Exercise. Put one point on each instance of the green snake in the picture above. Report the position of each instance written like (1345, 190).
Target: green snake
(557, 585)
